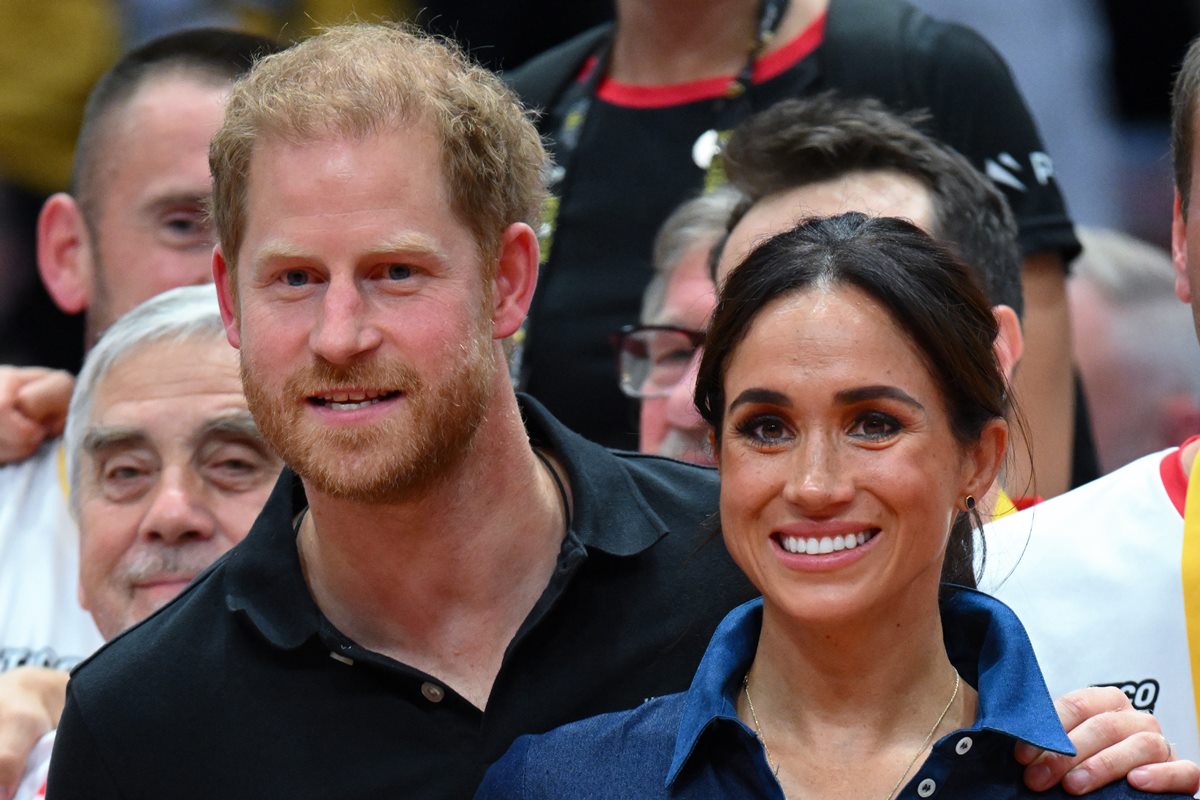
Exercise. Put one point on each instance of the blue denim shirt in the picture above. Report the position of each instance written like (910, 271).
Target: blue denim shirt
(692, 745)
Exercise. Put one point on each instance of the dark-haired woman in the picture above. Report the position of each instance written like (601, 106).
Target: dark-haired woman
(857, 412)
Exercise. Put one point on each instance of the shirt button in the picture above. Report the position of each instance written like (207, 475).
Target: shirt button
(432, 692)
(964, 746)
(926, 788)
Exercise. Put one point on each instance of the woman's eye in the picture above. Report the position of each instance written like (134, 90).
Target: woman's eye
(296, 277)
(876, 425)
(399, 272)
(764, 430)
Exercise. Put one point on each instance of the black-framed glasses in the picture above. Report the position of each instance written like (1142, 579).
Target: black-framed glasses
(653, 359)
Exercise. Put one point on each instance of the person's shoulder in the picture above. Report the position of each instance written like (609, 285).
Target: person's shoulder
(655, 470)
(627, 751)
(174, 644)
(1136, 483)
(539, 80)
(913, 33)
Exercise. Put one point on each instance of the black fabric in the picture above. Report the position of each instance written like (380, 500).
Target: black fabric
(232, 690)
(633, 166)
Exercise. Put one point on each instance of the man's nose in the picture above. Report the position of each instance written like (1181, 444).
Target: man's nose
(345, 329)
(180, 508)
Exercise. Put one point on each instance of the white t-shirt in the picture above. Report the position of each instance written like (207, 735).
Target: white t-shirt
(41, 622)
(37, 770)
(1095, 576)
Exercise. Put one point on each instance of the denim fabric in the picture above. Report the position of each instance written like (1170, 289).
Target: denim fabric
(692, 745)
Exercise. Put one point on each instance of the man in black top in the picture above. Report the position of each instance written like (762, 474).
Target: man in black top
(447, 566)
(635, 113)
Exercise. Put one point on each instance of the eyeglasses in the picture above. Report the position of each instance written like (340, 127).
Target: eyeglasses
(653, 359)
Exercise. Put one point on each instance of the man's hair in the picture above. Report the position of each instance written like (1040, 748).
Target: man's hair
(358, 80)
(701, 221)
(796, 143)
(207, 55)
(182, 314)
(1183, 112)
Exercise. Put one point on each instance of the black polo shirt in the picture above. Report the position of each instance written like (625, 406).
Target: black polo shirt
(242, 688)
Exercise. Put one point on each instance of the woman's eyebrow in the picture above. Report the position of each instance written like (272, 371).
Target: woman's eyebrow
(862, 393)
(758, 395)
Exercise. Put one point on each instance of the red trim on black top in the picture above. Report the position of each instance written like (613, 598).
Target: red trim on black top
(1174, 478)
(632, 95)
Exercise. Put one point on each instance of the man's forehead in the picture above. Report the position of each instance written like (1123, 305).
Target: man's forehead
(182, 372)
(234, 422)
(880, 193)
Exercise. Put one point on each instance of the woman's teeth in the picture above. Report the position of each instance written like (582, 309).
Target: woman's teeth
(825, 544)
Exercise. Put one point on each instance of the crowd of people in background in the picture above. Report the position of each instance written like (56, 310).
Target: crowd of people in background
(705, 407)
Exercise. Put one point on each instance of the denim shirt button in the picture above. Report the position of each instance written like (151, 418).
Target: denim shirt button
(964, 746)
(432, 692)
(926, 788)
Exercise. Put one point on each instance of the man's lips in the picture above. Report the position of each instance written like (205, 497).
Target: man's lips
(158, 581)
(351, 399)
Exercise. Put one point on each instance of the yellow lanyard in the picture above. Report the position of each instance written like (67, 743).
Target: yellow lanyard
(1190, 573)
(61, 458)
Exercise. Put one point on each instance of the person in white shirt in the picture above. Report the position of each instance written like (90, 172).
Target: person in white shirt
(1113, 567)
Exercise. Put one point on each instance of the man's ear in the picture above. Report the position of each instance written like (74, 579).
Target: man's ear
(1183, 288)
(226, 297)
(64, 253)
(515, 280)
(1010, 342)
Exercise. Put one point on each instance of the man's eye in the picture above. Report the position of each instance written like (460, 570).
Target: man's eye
(114, 474)
(123, 481)
(188, 229)
(399, 272)
(678, 356)
(296, 277)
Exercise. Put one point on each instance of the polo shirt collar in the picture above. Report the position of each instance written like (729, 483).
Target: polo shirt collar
(264, 580)
(598, 480)
(984, 639)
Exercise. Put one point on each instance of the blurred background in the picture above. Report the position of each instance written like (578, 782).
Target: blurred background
(1096, 74)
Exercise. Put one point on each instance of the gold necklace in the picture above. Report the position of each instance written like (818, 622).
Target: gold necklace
(775, 765)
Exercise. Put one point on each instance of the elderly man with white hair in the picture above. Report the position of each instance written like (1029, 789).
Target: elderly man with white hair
(166, 467)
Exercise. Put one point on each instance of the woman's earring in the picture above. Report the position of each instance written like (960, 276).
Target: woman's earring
(969, 502)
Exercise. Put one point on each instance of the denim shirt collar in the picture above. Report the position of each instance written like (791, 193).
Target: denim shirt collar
(984, 639)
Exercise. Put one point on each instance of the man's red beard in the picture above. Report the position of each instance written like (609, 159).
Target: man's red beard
(389, 461)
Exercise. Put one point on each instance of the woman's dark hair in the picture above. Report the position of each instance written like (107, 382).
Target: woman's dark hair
(927, 291)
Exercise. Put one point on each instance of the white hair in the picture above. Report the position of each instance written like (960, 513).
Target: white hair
(703, 220)
(189, 312)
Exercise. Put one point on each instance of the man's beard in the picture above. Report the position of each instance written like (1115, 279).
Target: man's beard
(388, 461)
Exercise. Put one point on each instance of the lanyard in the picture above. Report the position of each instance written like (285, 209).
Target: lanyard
(1190, 573)
(572, 109)
(571, 112)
